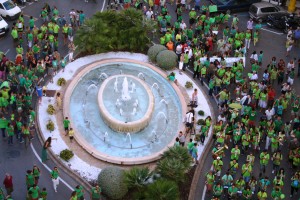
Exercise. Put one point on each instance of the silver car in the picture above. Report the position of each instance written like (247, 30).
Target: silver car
(261, 10)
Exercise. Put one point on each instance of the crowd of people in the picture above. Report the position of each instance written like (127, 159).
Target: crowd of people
(258, 109)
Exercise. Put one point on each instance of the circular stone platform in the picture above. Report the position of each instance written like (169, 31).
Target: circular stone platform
(106, 113)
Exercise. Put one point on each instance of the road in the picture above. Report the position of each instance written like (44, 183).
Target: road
(272, 43)
(15, 159)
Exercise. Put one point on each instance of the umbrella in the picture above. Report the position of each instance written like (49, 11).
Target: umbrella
(235, 106)
(5, 84)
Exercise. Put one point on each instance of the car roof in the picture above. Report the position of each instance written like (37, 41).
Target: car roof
(263, 4)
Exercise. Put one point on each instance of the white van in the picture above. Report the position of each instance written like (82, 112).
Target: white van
(3, 26)
(9, 10)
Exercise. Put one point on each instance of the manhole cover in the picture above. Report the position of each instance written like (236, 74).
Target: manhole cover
(13, 154)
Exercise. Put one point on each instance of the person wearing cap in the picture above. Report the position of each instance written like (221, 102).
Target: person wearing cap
(193, 16)
(217, 166)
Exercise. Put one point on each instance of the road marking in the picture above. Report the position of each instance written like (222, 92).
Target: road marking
(22, 7)
(104, 2)
(37, 156)
(7, 51)
(30, 3)
(272, 31)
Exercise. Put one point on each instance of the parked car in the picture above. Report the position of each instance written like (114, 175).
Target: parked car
(283, 22)
(9, 10)
(3, 26)
(233, 5)
(275, 2)
(261, 11)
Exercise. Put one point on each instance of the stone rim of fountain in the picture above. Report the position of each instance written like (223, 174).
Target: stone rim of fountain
(118, 125)
(93, 151)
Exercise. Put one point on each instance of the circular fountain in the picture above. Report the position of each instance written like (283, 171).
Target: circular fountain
(124, 111)
(121, 109)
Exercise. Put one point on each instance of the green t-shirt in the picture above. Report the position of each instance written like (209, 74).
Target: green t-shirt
(35, 192)
(96, 192)
(54, 174)
(31, 23)
(66, 123)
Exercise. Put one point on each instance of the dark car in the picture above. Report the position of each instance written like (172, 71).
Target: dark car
(233, 5)
(283, 22)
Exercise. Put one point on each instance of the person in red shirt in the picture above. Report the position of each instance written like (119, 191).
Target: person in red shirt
(8, 183)
(271, 96)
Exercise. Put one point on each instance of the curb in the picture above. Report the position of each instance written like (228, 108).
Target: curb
(199, 167)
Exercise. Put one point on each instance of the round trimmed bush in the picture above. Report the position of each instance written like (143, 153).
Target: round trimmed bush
(201, 122)
(201, 112)
(154, 50)
(66, 154)
(111, 180)
(166, 59)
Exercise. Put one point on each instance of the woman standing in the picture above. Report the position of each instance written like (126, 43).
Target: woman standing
(44, 150)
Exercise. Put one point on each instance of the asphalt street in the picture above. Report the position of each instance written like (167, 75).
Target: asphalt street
(272, 43)
(16, 159)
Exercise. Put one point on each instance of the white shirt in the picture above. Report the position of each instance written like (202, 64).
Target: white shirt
(254, 77)
(179, 49)
(182, 25)
(221, 119)
(254, 56)
(149, 13)
(250, 25)
(269, 114)
(189, 117)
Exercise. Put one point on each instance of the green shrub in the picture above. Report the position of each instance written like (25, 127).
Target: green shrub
(188, 84)
(154, 50)
(166, 59)
(66, 154)
(112, 182)
(61, 81)
(50, 125)
(136, 177)
(201, 112)
(201, 122)
(50, 109)
(162, 190)
(197, 137)
(179, 153)
(172, 169)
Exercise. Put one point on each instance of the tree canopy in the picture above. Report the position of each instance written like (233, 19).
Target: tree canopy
(126, 30)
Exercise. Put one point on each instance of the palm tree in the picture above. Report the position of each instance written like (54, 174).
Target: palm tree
(172, 169)
(162, 190)
(179, 153)
(137, 177)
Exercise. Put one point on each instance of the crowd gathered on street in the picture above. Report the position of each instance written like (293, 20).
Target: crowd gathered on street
(256, 120)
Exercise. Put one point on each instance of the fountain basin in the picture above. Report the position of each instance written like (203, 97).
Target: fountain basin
(97, 138)
(114, 119)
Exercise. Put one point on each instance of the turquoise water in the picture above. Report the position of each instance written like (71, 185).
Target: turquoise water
(143, 143)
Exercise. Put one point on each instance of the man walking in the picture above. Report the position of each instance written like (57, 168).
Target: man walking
(55, 178)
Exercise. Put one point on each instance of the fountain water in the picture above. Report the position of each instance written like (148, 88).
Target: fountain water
(103, 76)
(141, 75)
(121, 72)
(155, 135)
(90, 87)
(121, 112)
(134, 111)
(132, 86)
(129, 137)
(105, 137)
(136, 103)
(116, 85)
(163, 114)
(125, 92)
(164, 101)
(118, 103)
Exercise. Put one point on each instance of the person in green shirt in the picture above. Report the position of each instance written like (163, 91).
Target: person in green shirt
(14, 34)
(66, 123)
(3, 125)
(55, 178)
(246, 171)
(29, 179)
(232, 191)
(262, 195)
(217, 190)
(31, 23)
(36, 174)
(96, 192)
(193, 16)
(10, 133)
(34, 192)
(264, 160)
(210, 178)
(247, 193)
(43, 194)
(30, 39)
(80, 192)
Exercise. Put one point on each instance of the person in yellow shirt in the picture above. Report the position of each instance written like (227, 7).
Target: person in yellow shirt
(71, 134)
